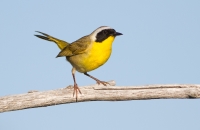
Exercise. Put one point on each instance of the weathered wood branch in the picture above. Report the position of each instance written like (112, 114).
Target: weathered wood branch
(98, 93)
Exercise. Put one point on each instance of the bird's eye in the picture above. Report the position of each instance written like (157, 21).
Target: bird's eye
(104, 34)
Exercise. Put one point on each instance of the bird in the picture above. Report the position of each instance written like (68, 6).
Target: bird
(87, 53)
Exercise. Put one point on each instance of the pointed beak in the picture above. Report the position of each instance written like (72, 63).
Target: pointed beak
(118, 34)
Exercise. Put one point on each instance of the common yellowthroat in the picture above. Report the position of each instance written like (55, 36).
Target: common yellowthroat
(87, 53)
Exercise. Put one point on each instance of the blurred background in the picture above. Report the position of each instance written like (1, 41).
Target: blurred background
(160, 45)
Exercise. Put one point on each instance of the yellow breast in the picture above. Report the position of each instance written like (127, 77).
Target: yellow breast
(95, 56)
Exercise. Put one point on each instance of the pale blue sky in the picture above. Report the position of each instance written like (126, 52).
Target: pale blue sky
(160, 45)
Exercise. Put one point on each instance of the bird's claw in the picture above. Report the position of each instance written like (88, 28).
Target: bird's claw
(102, 82)
(76, 90)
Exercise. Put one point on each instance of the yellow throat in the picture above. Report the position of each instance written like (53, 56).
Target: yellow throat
(100, 53)
(96, 55)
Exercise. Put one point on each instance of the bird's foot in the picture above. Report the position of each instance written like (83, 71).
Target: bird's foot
(102, 82)
(76, 91)
(97, 80)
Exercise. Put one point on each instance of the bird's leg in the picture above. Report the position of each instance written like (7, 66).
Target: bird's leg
(76, 88)
(97, 80)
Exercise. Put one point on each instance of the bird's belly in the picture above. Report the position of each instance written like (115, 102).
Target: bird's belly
(95, 57)
(88, 62)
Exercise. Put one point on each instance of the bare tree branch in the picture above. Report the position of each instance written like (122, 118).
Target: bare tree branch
(34, 99)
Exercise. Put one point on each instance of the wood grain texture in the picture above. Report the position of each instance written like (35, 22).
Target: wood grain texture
(96, 92)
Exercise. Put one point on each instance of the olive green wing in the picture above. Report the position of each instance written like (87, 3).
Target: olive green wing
(75, 48)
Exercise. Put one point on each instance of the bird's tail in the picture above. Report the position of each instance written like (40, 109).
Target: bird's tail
(60, 43)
